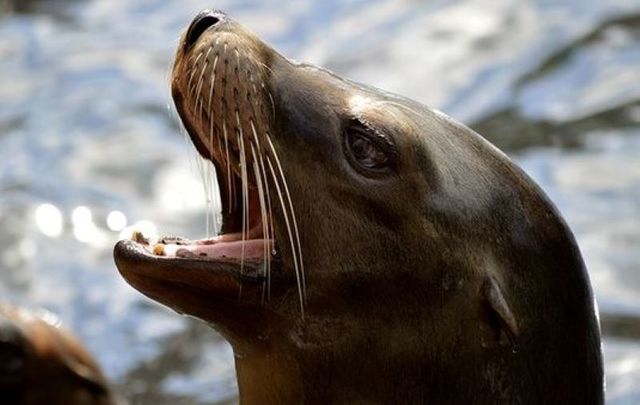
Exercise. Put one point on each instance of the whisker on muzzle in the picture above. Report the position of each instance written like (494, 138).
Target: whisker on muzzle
(287, 214)
(265, 219)
(231, 112)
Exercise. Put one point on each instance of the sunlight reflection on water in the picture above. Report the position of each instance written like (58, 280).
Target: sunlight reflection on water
(49, 220)
(91, 153)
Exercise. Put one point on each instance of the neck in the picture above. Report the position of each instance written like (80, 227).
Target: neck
(318, 375)
(268, 377)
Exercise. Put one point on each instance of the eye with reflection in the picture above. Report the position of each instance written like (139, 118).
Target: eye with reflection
(368, 151)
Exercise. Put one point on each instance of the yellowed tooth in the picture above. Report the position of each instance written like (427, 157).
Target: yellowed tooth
(158, 249)
(137, 236)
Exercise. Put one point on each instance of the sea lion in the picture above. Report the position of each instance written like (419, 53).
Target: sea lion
(41, 363)
(372, 249)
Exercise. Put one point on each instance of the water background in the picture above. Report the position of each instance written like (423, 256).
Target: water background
(87, 129)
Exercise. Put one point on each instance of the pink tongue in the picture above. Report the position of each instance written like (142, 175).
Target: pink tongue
(253, 249)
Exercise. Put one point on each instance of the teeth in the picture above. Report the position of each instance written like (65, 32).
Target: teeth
(137, 236)
(158, 249)
(175, 240)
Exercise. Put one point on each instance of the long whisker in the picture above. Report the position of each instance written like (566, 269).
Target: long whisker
(285, 214)
(255, 92)
(230, 184)
(201, 81)
(271, 233)
(259, 63)
(250, 158)
(193, 72)
(245, 190)
(204, 169)
(214, 199)
(211, 112)
(273, 105)
(266, 220)
(212, 88)
(293, 215)
(199, 107)
(212, 131)
(263, 212)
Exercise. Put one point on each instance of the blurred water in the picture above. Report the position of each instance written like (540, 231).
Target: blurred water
(86, 130)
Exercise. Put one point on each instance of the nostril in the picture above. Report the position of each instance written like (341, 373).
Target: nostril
(200, 24)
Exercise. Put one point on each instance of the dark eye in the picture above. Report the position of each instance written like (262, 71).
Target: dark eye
(368, 150)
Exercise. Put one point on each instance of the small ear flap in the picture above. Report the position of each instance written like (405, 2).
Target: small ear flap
(500, 311)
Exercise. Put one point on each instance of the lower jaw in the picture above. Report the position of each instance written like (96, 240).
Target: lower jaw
(221, 293)
(170, 280)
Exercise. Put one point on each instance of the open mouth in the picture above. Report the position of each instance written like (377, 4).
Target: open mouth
(246, 235)
(220, 90)
(228, 133)
(245, 246)
(243, 254)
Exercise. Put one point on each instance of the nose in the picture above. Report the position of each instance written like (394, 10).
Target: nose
(203, 21)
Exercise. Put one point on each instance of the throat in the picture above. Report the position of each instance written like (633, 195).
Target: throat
(319, 376)
(267, 377)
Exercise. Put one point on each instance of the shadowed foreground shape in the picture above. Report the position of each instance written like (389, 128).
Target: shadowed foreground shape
(372, 249)
(41, 363)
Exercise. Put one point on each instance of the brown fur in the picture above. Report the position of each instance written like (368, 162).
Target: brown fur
(43, 364)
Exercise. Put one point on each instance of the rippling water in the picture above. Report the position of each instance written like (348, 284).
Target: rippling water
(89, 146)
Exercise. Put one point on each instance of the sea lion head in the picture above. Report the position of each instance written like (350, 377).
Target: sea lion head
(40, 363)
(375, 229)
